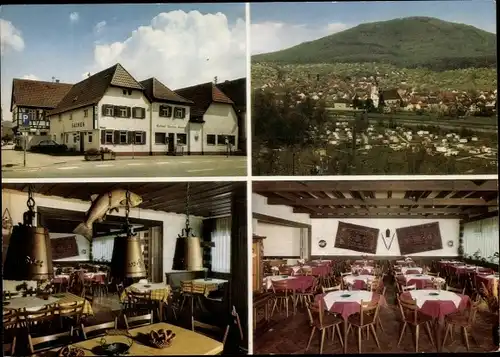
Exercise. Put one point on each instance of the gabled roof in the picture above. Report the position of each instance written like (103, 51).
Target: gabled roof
(157, 91)
(91, 90)
(39, 94)
(391, 94)
(202, 95)
(236, 90)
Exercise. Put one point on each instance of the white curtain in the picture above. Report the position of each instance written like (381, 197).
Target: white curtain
(221, 253)
(483, 236)
(102, 248)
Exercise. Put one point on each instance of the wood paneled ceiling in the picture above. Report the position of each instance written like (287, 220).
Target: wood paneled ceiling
(463, 199)
(207, 199)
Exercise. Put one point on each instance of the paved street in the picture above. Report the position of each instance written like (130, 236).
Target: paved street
(46, 166)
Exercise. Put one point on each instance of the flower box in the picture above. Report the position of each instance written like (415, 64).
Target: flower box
(93, 157)
(108, 155)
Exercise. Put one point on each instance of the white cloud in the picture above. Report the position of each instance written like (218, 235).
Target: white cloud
(74, 17)
(100, 27)
(31, 77)
(10, 37)
(275, 36)
(180, 49)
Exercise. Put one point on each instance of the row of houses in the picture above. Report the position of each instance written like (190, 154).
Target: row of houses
(112, 110)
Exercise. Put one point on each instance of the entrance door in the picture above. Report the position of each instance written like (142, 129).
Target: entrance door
(82, 142)
(171, 142)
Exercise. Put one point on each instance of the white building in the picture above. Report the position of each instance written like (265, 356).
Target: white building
(213, 119)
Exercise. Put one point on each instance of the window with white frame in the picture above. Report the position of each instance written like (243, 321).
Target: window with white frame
(482, 237)
(221, 252)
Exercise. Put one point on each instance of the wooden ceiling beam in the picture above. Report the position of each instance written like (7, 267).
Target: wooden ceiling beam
(386, 211)
(382, 216)
(418, 185)
(382, 202)
(205, 191)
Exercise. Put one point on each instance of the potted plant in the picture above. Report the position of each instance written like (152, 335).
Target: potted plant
(93, 155)
(108, 154)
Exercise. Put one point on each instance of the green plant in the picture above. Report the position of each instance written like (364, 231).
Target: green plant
(92, 152)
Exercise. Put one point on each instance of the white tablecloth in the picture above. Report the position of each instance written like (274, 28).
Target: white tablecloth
(354, 296)
(31, 303)
(405, 269)
(421, 296)
(361, 267)
(350, 279)
(269, 279)
(10, 285)
(409, 277)
(492, 277)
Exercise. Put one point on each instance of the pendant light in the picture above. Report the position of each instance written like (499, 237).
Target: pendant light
(188, 253)
(29, 255)
(127, 260)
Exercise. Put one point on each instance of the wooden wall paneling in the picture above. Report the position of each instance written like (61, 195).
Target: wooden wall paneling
(418, 239)
(257, 263)
(358, 238)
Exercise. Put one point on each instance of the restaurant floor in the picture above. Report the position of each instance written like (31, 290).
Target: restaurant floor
(290, 335)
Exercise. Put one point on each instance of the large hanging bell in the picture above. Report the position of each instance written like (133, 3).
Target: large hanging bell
(188, 254)
(29, 255)
(127, 260)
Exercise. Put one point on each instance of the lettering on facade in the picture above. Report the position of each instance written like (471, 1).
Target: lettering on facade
(161, 125)
(78, 125)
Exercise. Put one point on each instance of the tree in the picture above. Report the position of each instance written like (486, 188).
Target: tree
(381, 101)
(356, 103)
(369, 106)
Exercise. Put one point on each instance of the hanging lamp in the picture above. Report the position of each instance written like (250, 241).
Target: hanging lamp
(127, 260)
(29, 255)
(188, 253)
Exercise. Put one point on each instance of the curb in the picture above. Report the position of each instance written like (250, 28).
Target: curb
(21, 168)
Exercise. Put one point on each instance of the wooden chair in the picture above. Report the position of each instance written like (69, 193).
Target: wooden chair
(187, 293)
(322, 322)
(433, 274)
(37, 321)
(138, 321)
(10, 332)
(308, 294)
(412, 317)
(72, 312)
(333, 288)
(365, 319)
(209, 330)
(408, 288)
(142, 301)
(455, 290)
(56, 340)
(281, 296)
(464, 321)
(99, 330)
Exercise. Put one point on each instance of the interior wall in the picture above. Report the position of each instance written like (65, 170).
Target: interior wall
(326, 229)
(281, 241)
(173, 223)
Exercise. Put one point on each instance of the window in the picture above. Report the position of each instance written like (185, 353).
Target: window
(211, 139)
(221, 252)
(85, 113)
(108, 110)
(108, 137)
(165, 111)
(138, 113)
(70, 116)
(90, 137)
(231, 139)
(123, 112)
(221, 139)
(481, 235)
(160, 138)
(124, 91)
(140, 137)
(123, 137)
(181, 139)
(179, 113)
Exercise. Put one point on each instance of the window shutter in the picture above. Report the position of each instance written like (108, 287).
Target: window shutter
(104, 108)
(131, 137)
(183, 110)
(143, 138)
(116, 111)
(128, 112)
(143, 113)
(116, 136)
(103, 137)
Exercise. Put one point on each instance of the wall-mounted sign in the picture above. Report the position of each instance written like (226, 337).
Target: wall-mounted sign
(78, 125)
(161, 125)
(322, 243)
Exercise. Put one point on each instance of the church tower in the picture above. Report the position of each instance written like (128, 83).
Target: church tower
(374, 94)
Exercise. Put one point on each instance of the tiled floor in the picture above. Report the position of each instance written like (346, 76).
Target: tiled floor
(290, 335)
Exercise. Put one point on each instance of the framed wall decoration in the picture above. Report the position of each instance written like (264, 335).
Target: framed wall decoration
(64, 247)
(358, 238)
(419, 239)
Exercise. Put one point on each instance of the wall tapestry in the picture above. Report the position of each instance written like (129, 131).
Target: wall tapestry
(64, 247)
(418, 239)
(358, 238)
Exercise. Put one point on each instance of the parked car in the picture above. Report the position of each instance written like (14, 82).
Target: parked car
(48, 147)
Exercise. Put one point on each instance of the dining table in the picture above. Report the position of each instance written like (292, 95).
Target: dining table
(185, 343)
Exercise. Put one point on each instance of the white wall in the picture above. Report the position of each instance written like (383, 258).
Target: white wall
(259, 205)
(83, 247)
(220, 119)
(483, 236)
(65, 128)
(172, 223)
(281, 241)
(327, 229)
(167, 125)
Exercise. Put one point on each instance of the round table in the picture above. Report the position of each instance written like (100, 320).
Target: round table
(420, 279)
(358, 281)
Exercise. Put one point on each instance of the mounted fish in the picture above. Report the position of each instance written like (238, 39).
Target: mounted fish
(102, 205)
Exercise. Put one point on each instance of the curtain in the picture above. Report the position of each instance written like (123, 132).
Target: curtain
(483, 236)
(221, 253)
(102, 248)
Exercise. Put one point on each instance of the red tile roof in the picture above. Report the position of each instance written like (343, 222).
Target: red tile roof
(202, 95)
(37, 94)
(157, 91)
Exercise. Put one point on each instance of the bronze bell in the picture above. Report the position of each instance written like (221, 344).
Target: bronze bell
(127, 260)
(29, 255)
(188, 254)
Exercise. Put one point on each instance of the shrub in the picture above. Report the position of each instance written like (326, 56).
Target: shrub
(92, 152)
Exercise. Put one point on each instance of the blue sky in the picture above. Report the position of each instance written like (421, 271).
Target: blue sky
(277, 26)
(61, 40)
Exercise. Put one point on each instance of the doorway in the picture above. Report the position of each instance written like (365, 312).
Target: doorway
(82, 142)
(171, 143)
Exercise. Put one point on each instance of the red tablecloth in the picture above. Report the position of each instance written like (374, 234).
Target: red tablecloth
(346, 309)
(440, 308)
(320, 270)
(299, 283)
(482, 278)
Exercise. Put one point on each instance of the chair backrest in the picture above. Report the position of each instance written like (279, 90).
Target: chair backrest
(10, 319)
(280, 285)
(346, 273)
(138, 321)
(332, 288)
(30, 318)
(307, 270)
(409, 287)
(315, 310)
(202, 327)
(72, 309)
(61, 339)
(367, 307)
(98, 330)
(455, 290)
(408, 308)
